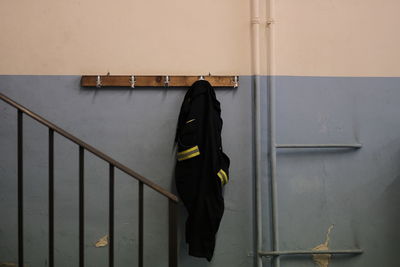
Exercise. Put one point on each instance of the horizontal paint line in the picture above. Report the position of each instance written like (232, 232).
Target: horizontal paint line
(191, 74)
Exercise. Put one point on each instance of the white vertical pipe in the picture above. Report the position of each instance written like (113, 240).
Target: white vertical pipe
(257, 151)
(255, 22)
(272, 127)
(272, 164)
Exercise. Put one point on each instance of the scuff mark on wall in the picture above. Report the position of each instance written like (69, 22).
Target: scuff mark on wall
(102, 242)
(322, 260)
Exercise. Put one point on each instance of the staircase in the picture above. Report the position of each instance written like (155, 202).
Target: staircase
(172, 199)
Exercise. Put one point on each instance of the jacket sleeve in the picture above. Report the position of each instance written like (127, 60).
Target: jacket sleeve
(223, 172)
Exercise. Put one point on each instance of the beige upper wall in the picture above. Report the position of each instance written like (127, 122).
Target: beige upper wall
(312, 37)
(124, 37)
(338, 37)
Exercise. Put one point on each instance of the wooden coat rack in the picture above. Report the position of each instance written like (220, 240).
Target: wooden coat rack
(156, 81)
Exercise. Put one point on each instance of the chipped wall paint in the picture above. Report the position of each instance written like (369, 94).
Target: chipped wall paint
(102, 242)
(322, 260)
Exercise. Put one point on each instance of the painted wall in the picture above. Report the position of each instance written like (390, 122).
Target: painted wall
(337, 38)
(354, 191)
(137, 128)
(123, 37)
(312, 37)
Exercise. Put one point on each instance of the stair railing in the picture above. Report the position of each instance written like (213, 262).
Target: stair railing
(172, 199)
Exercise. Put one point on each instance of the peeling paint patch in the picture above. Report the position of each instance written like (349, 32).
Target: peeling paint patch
(322, 260)
(102, 242)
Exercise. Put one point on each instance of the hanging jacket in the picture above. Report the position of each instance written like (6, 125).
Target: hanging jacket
(202, 167)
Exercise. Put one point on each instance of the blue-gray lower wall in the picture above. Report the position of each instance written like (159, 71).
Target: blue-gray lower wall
(136, 127)
(355, 191)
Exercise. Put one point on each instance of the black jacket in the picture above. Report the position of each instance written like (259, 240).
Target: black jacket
(202, 167)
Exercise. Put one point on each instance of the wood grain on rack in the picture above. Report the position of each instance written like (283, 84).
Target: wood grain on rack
(155, 81)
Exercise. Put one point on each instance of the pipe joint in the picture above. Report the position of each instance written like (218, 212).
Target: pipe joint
(255, 20)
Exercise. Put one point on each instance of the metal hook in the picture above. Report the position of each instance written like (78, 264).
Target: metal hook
(133, 81)
(166, 81)
(201, 78)
(98, 81)
(235, 82)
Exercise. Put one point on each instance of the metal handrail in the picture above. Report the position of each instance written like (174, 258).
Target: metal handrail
(89, 148)
(172, 199)
(355, 146)
(310, 252)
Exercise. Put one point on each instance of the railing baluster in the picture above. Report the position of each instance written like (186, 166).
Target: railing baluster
(51, 198)
(140, 224)
(173, 200)
(81, 207)
(20, 191)
(173, 234)
(111, 219)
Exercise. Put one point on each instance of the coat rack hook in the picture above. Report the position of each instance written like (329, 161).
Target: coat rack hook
(166, 81)
(98, 81)
(133, 81)
(235, 82)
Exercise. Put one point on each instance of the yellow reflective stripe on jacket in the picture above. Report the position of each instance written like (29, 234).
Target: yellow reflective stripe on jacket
(188, 153)
(222, 175)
